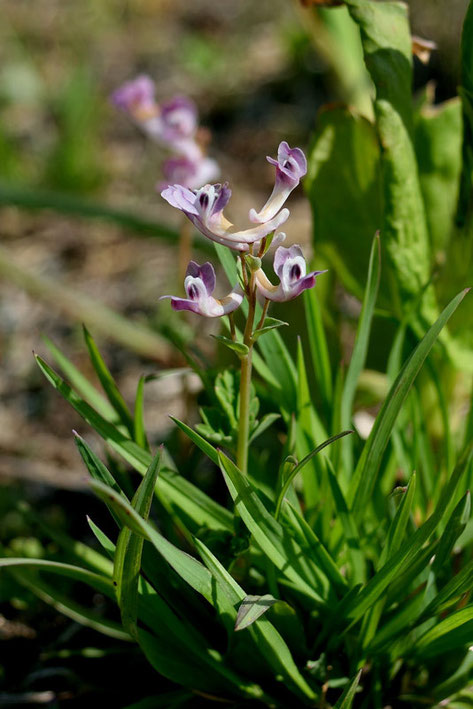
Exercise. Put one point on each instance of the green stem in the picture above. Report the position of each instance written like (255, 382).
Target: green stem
(245, 381)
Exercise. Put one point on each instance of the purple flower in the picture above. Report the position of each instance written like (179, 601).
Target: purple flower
(188, 173)
(136, 97)
(199, 285)
(179, 118)
(291, 166)
(204, 208)
(290, 266)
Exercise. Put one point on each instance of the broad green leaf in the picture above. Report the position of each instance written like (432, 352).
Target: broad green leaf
(268, 640)
(360, 349)
(171, 486)
(269, 324)
(437, 138)
(139, 431)
(108, 383)
(270, 536)
(387, 48)
(252, 608)
(346, 700)
(127, 562)
(366, 471)
(297, 468)
(345, 152)
(237, 347)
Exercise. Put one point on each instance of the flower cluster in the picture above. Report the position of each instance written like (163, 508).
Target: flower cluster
(173, 124)
(204, 207)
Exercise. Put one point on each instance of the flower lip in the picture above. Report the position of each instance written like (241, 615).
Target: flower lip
(199, 285)
(291, 164)
(290, 266)
(204, 208)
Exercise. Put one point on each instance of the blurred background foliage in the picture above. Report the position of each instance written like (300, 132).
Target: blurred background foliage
(77, 200)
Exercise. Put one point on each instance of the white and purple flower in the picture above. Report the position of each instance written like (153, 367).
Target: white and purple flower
(204, 208)
(188, 173)
(290, 267)
(136, 97)
(199, 285)
(291, 166)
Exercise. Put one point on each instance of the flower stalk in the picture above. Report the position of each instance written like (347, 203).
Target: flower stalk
(245, 378)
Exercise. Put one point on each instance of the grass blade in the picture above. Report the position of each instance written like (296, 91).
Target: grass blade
(108, 383)
(360, 349)
(127, 561)
(367, 469)
(270, 536)
(200, 508)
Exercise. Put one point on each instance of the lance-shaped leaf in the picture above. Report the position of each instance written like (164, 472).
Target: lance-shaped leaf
(387, 48)
(346, 700)
(127, 561)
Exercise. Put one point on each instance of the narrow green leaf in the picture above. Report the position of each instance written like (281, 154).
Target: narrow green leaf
(318, 347)
(349, 528)
(127, 562)
(108, 383)
(269, 324)
(366, 471)
(188, 568)
(51, 595)
(283, 551)
(265, 423)
(314, 547)
(454, 528)
(453, 632)
(301, 465)
(100, 583)
(81, 383)
(360, 349)
(139, 431)
(172, 486)
(405, 557)
(346, 700)
(200, 442)
(252, 608)
(398, 527)
(237, 347)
